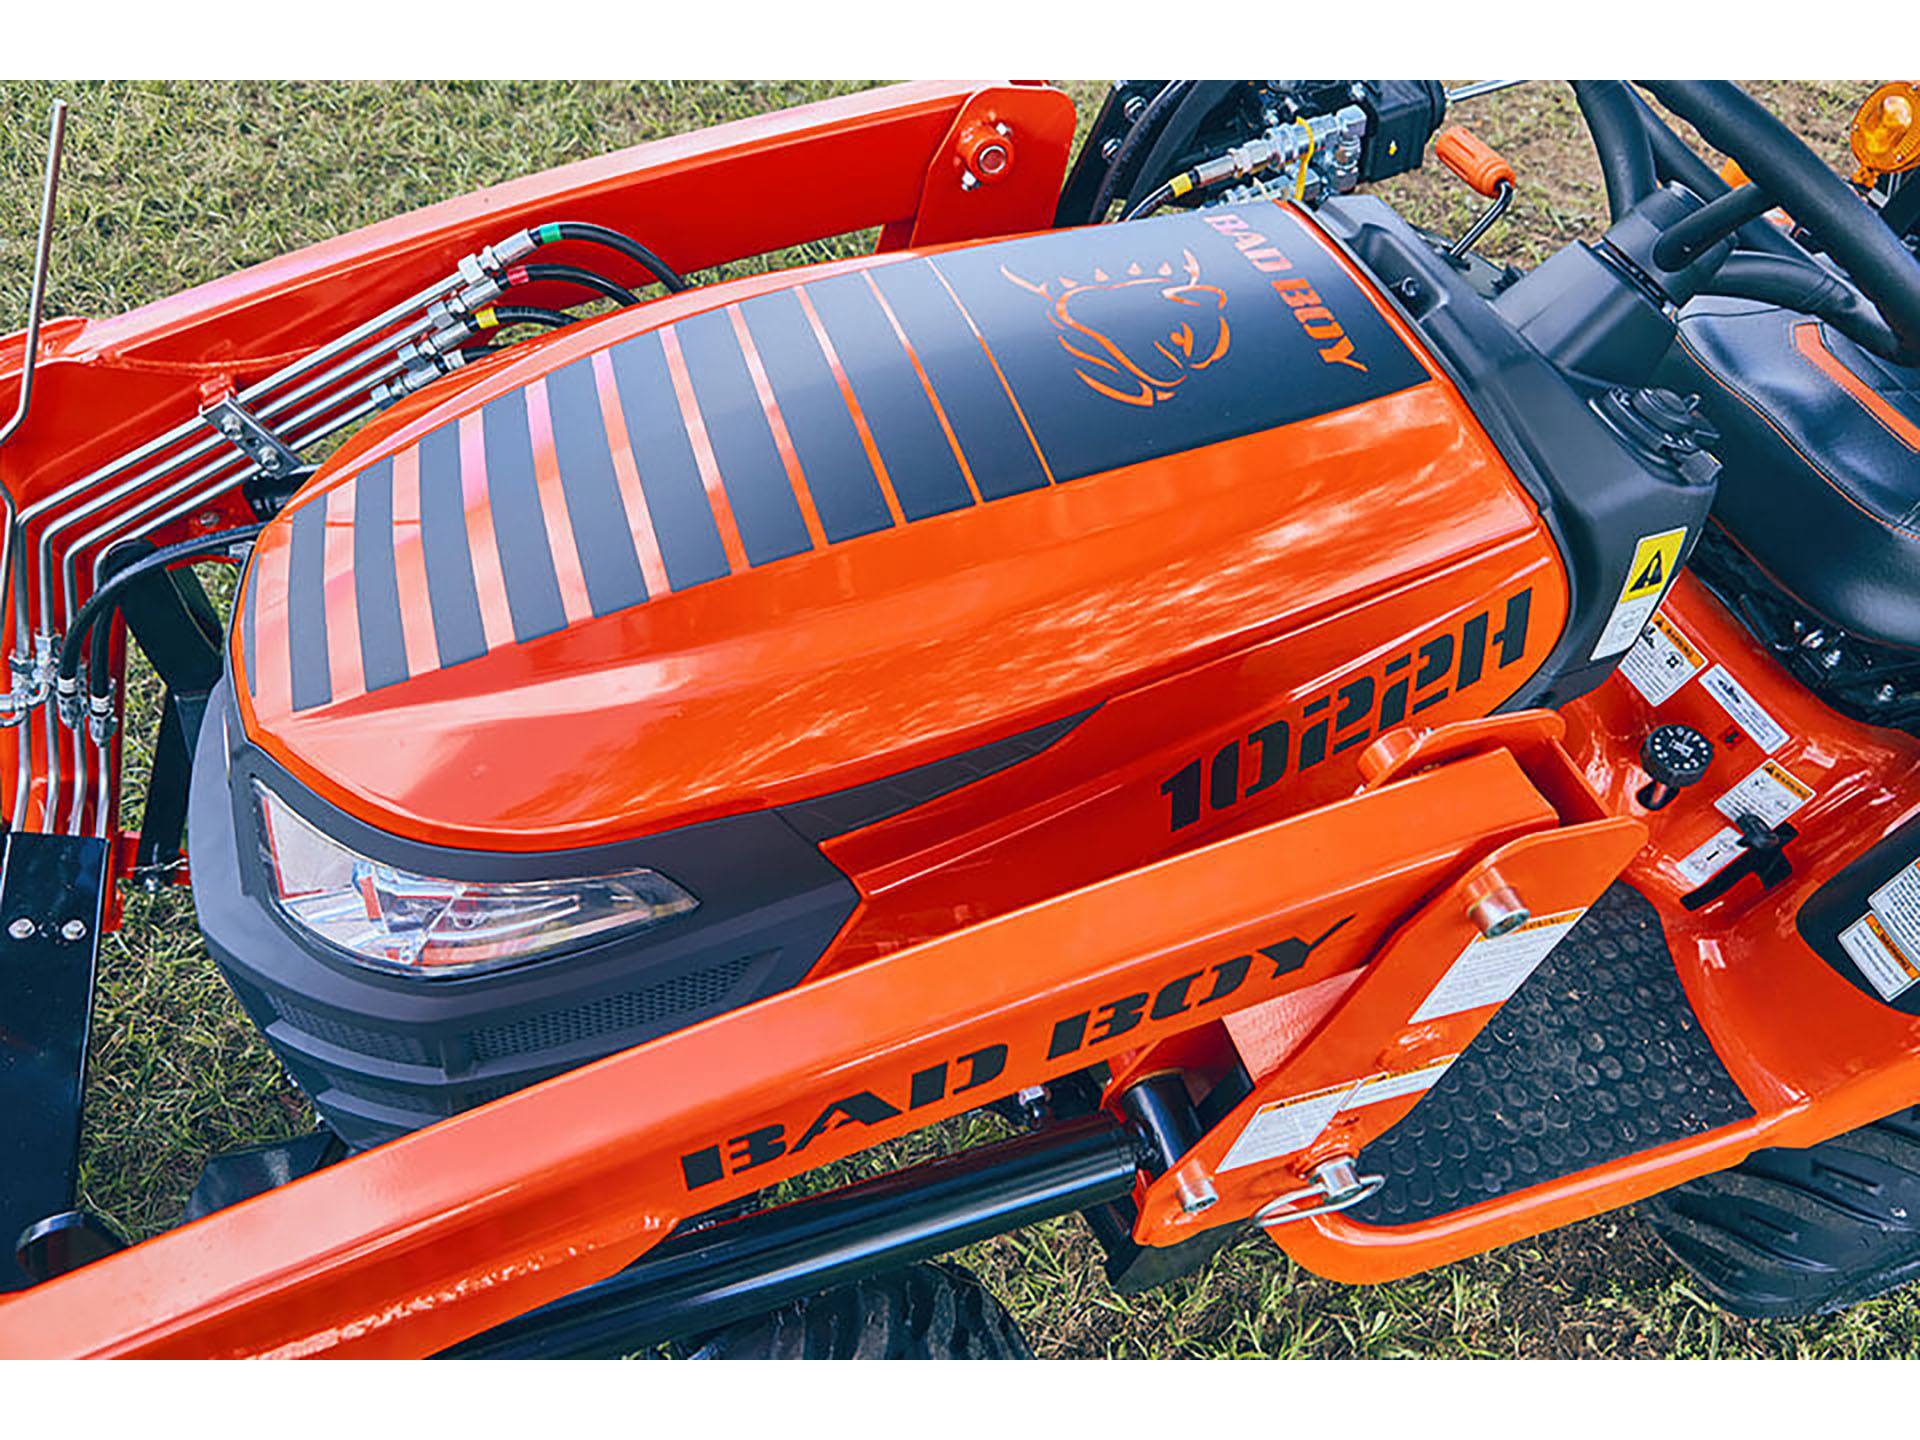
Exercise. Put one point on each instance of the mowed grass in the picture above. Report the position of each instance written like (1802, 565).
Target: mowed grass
(169, 185)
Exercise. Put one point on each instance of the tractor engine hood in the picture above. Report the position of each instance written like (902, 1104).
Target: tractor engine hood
(767, 540)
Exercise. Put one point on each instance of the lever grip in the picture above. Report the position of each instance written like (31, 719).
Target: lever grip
(1473, 160)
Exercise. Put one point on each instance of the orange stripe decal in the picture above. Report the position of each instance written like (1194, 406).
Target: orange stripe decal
(343, 605)
(496, 615)
(410, 565)
(953, 441)
(1012, 399)
(703, 452)
(782, 441)
(574, 597)
(627, 475)
(1809, 342)
(853, 405)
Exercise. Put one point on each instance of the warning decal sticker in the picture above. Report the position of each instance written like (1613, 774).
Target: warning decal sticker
(1281, 1127)
(1655, 559)
(1884, 963)
(1661, 661)
(1403, 1083)
(1487, 972)
(1772, 792)
(1745, 710)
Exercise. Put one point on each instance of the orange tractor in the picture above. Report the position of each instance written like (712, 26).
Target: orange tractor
(1319, 730)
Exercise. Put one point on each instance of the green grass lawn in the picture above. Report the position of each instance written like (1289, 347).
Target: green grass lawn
(169, 185)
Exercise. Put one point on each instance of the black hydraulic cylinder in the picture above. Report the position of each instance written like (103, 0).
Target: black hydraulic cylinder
(702, 1279)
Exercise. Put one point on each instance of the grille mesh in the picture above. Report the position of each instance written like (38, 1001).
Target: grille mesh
(637, 1009)
(379, 1043)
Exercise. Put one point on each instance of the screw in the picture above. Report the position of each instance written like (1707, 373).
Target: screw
(1134, 107)
(1409, 290)
(74, 930)
(1498, 913)
(1109, 148)
(23, 929)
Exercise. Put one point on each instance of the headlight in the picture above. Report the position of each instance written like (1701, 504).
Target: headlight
(394, 919)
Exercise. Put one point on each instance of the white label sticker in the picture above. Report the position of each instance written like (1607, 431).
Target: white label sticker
(1280, 1127)
(1487, 972)
(1655, 558)
(1886, 967)
(1661, 661)
(1709, 859)
(1896, 905)
(1744, 709)
(1406, 1082)
(1772, 792)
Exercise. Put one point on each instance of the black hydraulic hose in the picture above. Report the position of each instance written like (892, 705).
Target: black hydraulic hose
(1736, 124)
(1674, 161)
(1133, 147)
(529, 315)
(1804, 286)
(1626, 155)
(590, 234)
(572, 275)
(201, 547)
(1151, 202)
(1706, 227)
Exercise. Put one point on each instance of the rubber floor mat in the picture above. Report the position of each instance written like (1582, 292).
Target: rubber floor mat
(1596, 1057)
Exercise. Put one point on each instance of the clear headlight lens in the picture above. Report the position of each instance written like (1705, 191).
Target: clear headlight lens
(394, 919)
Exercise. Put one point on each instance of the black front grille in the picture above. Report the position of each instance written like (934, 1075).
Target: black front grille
(381, 1044)
(680, 998)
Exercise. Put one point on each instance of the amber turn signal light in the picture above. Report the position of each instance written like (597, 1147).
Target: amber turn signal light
(1886, 131)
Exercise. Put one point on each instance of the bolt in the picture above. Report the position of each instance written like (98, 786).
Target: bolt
(1498, 913)
(74, 930)
(229, 425)
(23, 929)
(1884, 695)
(1109, 148)
(1409, 290)
(207, 519)
(991, 160)
(968, 180)
(1134, 107)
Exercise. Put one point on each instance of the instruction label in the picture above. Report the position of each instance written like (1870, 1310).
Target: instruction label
(1747, 712)
(1280, 1127)
(1655, 558)
(1772, 792)
(1885, 964)
(1398, 1085)
(1487, 972)
(1709, 859)
(1661, 661)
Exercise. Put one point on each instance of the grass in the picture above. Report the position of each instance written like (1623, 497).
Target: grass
(169, 185)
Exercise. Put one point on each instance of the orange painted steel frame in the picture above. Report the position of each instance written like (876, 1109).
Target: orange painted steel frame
(884, 157)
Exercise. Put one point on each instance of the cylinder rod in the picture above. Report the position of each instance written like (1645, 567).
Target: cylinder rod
(702, 1279)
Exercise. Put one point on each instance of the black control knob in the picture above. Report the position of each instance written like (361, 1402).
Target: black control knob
(1674, 757)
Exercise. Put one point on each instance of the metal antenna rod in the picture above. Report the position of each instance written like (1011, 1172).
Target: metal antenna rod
(56, 140)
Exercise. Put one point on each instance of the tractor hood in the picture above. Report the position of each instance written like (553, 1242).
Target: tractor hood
(765, 541)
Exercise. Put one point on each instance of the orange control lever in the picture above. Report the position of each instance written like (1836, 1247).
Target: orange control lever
(1473, 160)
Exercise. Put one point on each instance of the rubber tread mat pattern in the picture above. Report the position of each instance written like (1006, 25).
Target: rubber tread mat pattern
(1596, 1057)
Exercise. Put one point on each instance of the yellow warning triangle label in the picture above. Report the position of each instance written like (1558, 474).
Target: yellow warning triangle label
(1654, 559)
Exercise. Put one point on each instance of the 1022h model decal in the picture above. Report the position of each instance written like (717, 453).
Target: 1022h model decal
(1349, 714)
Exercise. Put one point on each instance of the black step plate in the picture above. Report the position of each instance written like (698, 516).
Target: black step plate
(1597, 1056)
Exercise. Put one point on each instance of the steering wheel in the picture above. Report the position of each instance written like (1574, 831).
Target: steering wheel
(1783, 171)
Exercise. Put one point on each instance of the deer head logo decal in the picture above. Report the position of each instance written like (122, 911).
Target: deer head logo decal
(1137, 336)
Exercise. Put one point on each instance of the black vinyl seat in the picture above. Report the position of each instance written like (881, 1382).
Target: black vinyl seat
(1821, 443)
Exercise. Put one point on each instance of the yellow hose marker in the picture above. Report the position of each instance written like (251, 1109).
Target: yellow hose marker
(486, 319)
(1181, 184)
(1300, 180)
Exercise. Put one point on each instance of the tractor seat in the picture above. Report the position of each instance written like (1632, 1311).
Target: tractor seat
(1821, 444)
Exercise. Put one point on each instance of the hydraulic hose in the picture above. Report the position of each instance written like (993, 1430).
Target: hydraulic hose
(1133, 147)
(495, 316)
(101, 602)
(1626, 155)
(1804, 286)
(571, 275)
(1736, 124)
(588, 233)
